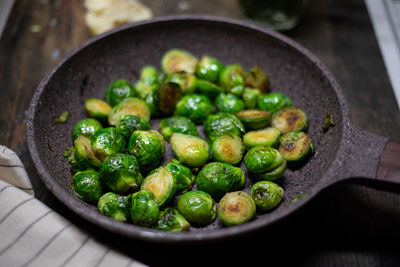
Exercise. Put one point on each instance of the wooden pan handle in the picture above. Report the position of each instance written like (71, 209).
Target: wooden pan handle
(389, 165)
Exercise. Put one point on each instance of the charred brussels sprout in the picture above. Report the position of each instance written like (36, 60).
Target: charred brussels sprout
(222, 123)
(130, 123)
(231, 79)
(183, 176)
(229, 103)
(118, 91)
(296, 146)
(129, 106)
(191, 151)
(106, 142)
(177, 124)
(84, 155)
(120, 172)
(115, 206)
(87, 185)
(161, 183)
(267, 195)
(250, 97)
(264, 137)
(86, 127)
(171, 220)
(97, 108)
(178, 60)
(256, 78)
(166, 96)
(253, 119)
(195, 107)
(148, 148)
(186, 81)
(144, 209)
(236, 208)
(273, 102)
(208, 88)
(289, 119)
(209, 69)
(228, 148)
(148, 78)
(261, 159)
(197, 207)
(218, 178)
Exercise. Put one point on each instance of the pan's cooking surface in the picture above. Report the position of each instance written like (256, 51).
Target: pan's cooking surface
(122, 55)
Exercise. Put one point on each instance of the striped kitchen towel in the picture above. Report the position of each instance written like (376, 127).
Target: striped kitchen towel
(32, 234)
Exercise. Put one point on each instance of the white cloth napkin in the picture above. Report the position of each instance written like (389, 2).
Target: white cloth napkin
(32, 234)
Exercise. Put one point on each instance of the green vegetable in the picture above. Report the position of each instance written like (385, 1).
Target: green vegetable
(261, 159)
(256, 78)
(130, 123)
(107, 141)
(271, 175)
(144, 209)
(289, 119)
(63, 117)
(236, 208)
(295, 146)
(328, 122)
(186, 81)
(195, 107)
(267, 195)
(148, 78)
(231, 79)
(209, 69)
(229, 103)
(197, 207)
(166, 96)
(97, 108)
(177, 124)
(87, 185)
(115, 206)
(69, 154)
(86, 127)
(253, 119)
(183, 176)
(129, 106)
(118, 91)
(265, 137)
(250, 97)
(171, 220)
(120, 172)
(222, 123)
(208, 88)
(228, 148)
(178, 60)
(84, 155)
(191, 151)
(154, 111)
(273, 102)
(218, 178)
(161, 183)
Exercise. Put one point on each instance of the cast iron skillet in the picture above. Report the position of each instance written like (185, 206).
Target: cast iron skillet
(342, 153)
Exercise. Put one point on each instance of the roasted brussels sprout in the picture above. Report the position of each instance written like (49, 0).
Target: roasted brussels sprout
(295, 146)
(256, 78)
(171, 220)
(148, 78)
(273, 102)
(86, 127)
(289, 119)
(107, 141)
(166, 95)
(265, 137)
(195, 107)
(161, 183)
(271, 175)
(144, 209)
(197, 207)
(183, 176)
(229, 103)
(209, 69)
(250, 97)
(186, 81)
(253, 119)
(231, 79)
(155, 112)
(115, 206)
(87, 185)
(208, 88)
(129, 106)
(261, 159)
(178, 60)
(148, 148)
(266, 194)
(177, 124)
(228, 148)
(191, 151)
(222, 123)
(97, 108)
(120, 172)
(218, 178)
(118, 91)
(84, 155)
(130, 123)
(236, 208)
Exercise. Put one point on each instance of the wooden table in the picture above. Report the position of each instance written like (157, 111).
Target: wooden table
(348, 225)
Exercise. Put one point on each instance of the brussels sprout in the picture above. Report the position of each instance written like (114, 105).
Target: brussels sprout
(171, 220)
(86, 127)
(166, 96)
(209, 69)
(177, 124)
(186, 81)
(130, 123)
(261, 159)
(87, 185)
(218, 178)
(97, 108)
(118, 91)
(264, 137)
(161, 138)
(253, 119)
(148, 78)
(229, 103)
(154, 111)
(228, 148)
(197, 207)
(69, 154)
(236, 208)
(144, 209)
(195, 107)
(273, 102)
(271, 175)
(84, 155)
(147, 147)
(191, 151)
(106, 142)
(183, 176)
(256, 78)
(266, 194)
(115, 206)
(289, 119)
(161, 183)
(178, 60)
(250, 97)
(295, 146)
(63, 117)
(208, 88)
(120, 172)
(231, 79)
(222, 123)
(129, 106)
